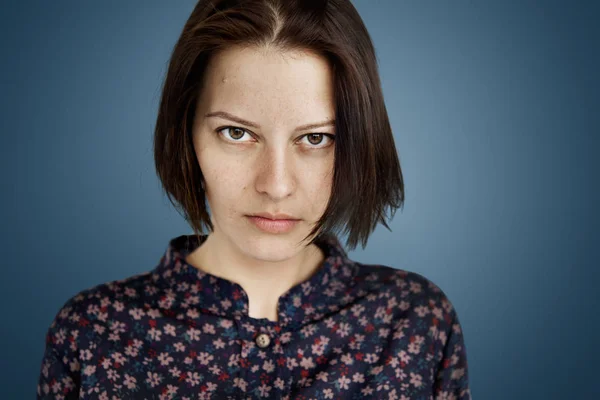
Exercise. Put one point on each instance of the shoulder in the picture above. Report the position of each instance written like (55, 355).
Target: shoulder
(407, 284)
(89, 313)
(411, 294)
(422, 322)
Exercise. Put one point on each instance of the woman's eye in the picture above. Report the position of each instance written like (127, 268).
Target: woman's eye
(234, 133)
(316, 139)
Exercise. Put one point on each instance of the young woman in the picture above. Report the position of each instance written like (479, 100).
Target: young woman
(272, 116)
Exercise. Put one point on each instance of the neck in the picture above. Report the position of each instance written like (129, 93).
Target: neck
(263, 282)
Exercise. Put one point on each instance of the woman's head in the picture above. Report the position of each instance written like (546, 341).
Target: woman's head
(278, 66)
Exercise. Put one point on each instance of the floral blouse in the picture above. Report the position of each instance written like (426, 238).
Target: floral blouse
(351, 331)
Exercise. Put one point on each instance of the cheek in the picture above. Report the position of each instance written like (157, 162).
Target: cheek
(320, 184)
(224, 184)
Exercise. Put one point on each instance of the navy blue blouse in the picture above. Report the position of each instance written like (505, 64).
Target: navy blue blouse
(351, 331)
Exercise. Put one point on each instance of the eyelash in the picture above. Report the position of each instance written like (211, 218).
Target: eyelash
(315, 147)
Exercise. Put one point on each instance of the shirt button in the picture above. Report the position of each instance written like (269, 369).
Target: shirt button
(263, 340)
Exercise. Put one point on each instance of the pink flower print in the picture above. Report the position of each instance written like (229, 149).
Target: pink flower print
(130, 382)
(404, 357)
(366, 391)
(112, 374)
(99, 329)
(343, 382)
(192, 378)
(169, 329)
(380, 312)
(291, 363)
(347, 359)
(171, 390)
(153, 313)
(416, 379)
(226, 304)
(165, 359)
(154, 334)
(89, 370)
(117, 305)
(269, 366)
(240, 383)
(175, 371)
(307, 363)
(205, 358)
(153, 379)
(371, 358)
(106, 363)
(309, 310)
(279, 383)
(118, 327)
(415, 287)
(343, 329)
(457, 373)
(264, 390)
(193, 334)
(209, 329)
(357, 309)
(131, 351)
(308, 330)
(422, 311)
(118, 357)
(384, 332)
(414, 348)
(234, 360)
(445, 396)
(438, 312)
(85, 355)
(297, 301)
(322, 376)
(180, 347)
(226, 323)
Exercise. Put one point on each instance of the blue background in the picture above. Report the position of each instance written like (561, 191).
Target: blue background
(494, 107)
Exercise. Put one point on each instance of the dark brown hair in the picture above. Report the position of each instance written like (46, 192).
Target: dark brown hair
(367, 176)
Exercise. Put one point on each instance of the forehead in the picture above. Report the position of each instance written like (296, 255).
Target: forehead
(269, 83)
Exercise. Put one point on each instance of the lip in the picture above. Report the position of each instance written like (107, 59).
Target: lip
(279, 216)
(273, 225)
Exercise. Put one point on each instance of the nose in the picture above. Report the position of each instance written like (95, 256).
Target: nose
(275, 174)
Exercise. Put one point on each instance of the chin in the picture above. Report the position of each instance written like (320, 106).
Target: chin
(270, 247)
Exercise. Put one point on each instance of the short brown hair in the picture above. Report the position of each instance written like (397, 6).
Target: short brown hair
(367, 176)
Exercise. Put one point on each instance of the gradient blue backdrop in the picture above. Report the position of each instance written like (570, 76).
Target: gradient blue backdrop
(494, 107)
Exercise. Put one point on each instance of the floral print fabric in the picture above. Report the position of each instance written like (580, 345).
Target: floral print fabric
(351, 331)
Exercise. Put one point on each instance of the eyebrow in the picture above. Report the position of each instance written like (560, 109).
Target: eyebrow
(231, 117)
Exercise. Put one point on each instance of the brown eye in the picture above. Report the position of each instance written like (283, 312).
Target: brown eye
(315, 138)
(237, 133)
(232, 133)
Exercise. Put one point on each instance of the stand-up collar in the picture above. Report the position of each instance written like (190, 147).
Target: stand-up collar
(190, 292)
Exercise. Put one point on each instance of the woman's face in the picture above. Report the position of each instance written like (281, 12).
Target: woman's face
(267, 164)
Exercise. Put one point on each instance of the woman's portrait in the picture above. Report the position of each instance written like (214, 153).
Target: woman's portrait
(299, 199)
